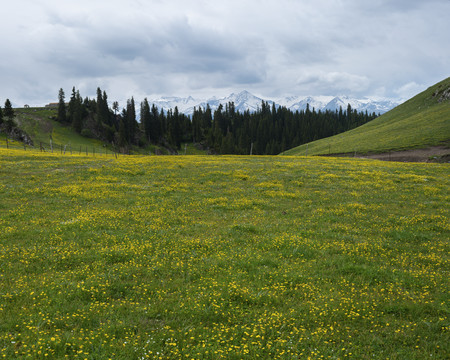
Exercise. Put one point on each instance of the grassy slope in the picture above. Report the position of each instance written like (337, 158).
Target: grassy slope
(38, 124)
(417, 123)
(222, 258)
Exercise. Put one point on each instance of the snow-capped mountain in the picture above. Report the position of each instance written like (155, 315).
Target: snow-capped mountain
(298, 103)
(242, 102)
(371, 105)
(246, 101)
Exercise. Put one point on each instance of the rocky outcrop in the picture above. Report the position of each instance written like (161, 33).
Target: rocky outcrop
(17, 134)
(442, 94)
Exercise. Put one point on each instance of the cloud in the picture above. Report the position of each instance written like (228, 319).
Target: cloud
(206, 48)
(408, 90)
(333, 83)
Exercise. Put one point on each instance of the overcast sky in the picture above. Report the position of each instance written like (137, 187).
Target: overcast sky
(271, 48)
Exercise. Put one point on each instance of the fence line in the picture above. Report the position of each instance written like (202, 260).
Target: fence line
(51, 147)
(67, 149)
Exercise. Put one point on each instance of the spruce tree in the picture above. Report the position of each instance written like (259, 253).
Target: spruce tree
(130, 122)
(8, 110)
(115, 107)
(76, 111)
(1, 116)
(102, 110)
(71, 107)
(9, 114)
(196, 124)
(156, 124)
(177, 135)
(61, 107)
(116, 118)
(123, 136)
(105, 110)
(146, 119)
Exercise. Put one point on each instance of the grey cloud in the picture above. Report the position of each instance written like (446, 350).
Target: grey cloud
(333, 83)
(176, 47)
(183, 48)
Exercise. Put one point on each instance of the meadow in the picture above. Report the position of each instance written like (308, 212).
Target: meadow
(222, 257)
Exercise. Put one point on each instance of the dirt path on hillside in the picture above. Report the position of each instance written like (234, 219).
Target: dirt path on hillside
(431, 154)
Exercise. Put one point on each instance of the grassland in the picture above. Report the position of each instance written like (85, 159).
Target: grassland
(195, 257)
(420, 122)
(40, 125)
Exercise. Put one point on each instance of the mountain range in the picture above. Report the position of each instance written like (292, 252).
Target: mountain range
(247, 101)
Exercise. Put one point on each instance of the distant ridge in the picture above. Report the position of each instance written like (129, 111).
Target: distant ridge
(420, 122)
(247, 101)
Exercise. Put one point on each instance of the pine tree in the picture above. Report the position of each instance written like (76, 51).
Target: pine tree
(115, 107)
(196, 124)
(9, 114)
(116, 120)
(176, 128)
(105, 110)
(102, 109)
(71, 107)
(156, 125)
(1, 116)
(207, 119)
(8, 110)
(146, 119)
(61, 107)
(163, 121)
(123, 136)
(220, 120)
(131, 121)
(76, 110)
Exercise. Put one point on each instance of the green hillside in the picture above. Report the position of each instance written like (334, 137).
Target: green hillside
(40, 125)
(420, 122)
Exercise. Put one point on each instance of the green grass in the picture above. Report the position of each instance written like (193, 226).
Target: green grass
(40, 125)
(197, 257)
(420, 122)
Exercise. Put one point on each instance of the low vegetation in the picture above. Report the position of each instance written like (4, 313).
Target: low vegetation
(420, 122)
(44, 131)
(201, 257)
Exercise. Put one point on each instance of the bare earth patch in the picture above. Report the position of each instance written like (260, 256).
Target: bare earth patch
(431, 154)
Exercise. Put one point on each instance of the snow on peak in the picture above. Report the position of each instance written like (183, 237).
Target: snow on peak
(245, 100)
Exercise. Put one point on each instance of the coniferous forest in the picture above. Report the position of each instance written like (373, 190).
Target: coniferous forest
(268, 131)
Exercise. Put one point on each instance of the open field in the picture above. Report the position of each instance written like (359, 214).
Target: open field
(196, 257)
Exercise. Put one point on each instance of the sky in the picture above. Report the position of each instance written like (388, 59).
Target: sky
(272, 48)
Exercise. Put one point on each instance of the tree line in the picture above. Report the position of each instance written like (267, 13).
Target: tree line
(96, 119)
(269, 130)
